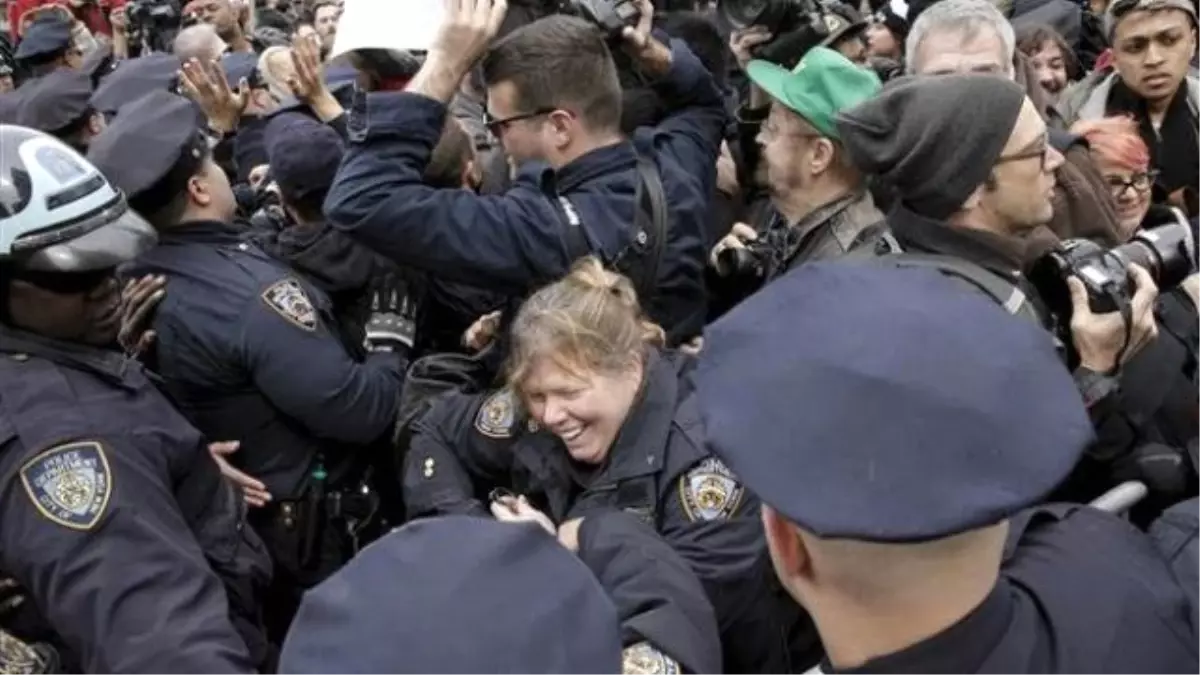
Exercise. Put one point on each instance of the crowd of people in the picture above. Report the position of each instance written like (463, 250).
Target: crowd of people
(599, 336)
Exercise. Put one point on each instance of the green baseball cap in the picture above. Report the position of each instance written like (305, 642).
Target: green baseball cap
(823, 84)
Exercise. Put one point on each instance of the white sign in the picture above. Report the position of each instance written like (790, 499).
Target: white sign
(387, 24)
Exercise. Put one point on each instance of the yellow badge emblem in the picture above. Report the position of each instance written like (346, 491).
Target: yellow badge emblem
(710, 491)
(645, 658)
(70, 484)
(288, 299)
(497, 414)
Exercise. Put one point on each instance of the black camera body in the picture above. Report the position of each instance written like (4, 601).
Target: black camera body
(1167, 251)
(795, 24)
(753, 261)
(154, 23)
(610, 16)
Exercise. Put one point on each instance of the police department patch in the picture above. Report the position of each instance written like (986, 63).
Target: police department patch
(70, 484)
(645, 658)
(289, 300)
(17, 658)
(710, 491)
(497, 414)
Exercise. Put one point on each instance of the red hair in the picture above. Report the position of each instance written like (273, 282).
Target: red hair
(1116, 140)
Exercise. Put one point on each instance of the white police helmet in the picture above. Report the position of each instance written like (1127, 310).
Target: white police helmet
(58, 213)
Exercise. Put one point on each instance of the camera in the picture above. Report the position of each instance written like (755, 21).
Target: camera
(1167, 251)
(153, 23)
(610, 16)
(753, 261)
(796, 26)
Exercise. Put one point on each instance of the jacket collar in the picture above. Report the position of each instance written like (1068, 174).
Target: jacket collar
(202, 232)
(964, 647)
(588, 167)
(639, 448)
(107, 364)
(996, 252)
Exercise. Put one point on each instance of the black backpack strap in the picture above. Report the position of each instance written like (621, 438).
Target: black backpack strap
(640, 261)
(1006, 293)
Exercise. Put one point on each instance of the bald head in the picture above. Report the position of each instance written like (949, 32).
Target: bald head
(199, 42)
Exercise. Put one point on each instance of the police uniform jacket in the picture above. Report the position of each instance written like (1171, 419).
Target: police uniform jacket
(247, 350)
(116, 520)
(1080, 591)
(657, 470)
(517, 242)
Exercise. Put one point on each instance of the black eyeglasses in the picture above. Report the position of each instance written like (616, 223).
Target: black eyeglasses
(1140, 182)
(496, 126)
(1041, 151)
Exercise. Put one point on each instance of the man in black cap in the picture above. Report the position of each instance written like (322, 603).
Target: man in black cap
(47, 46)
(906, 538)
(973, 200)
(59, 104)
(461, 594)
(247, 350)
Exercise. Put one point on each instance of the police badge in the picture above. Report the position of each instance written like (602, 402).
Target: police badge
(288, 299)
(644, 659)
(70, 484)
(18, 658)
(497, 414)
(710, 491)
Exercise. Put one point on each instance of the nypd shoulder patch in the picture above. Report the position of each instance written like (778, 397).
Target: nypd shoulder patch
(498, 414)
(644, 657)
(19, 658)
(70, 484)
(710, 491)
(288, 299)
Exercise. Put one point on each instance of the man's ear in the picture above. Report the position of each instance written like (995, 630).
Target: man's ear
(824, 153)
(472, 177)
(788, 552)
(197, 187)
(976, 197)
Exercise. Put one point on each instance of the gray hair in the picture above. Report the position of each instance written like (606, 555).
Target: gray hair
(965, 17)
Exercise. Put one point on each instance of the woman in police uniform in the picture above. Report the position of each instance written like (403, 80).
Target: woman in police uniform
(598, 415)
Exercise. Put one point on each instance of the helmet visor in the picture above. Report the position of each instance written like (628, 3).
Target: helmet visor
(110, 237)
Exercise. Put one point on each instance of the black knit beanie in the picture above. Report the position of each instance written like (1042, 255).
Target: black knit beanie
(935, 138)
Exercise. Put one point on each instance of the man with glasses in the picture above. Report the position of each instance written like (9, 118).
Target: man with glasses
(970, 202)
(1153, 42)
(554, 103)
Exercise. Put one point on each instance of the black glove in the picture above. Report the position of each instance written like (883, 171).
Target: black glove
(392, 326)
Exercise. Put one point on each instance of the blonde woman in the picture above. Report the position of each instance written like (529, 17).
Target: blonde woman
(597, 415)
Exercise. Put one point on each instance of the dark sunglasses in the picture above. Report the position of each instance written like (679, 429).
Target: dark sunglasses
(65, 283)
(496, 126)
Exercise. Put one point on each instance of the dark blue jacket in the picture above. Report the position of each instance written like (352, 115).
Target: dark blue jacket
(514, 243)
(657, 470)
(248, 351)
(116, 521)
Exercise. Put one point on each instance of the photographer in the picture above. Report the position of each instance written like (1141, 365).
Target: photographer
(821, 203)
(968, 205)
(553, 96)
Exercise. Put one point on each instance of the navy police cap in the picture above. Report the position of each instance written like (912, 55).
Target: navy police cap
(867, 402)
(145, 143)
(54, 101)
(46, 37)
(457, 594)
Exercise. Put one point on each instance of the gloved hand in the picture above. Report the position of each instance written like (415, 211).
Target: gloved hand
(392, 326)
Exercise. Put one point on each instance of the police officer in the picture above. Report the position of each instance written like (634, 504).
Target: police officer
(113, 516)
(247, 348)
(583, 200)
(625, 602)
(607, 425)
(47, 46)
(58, 104)
(896, 493)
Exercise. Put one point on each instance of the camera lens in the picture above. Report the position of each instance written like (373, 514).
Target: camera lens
(1167, 252)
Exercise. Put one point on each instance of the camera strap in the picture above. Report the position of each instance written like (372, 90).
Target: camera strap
(641, 259)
